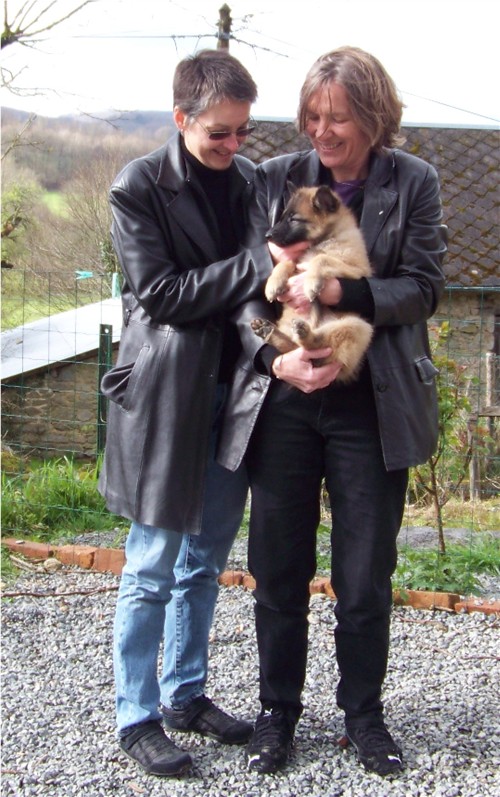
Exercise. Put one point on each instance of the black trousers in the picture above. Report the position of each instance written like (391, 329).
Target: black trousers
(299, 439)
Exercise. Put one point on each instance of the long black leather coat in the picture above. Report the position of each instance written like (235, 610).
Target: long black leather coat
(176, 292)
(402, 225)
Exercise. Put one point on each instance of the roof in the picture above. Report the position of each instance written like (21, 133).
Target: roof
(61, 337)
(467, 161)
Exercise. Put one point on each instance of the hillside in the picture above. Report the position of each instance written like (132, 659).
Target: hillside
(54, 149)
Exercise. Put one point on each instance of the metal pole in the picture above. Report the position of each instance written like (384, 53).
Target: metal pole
(105, 356)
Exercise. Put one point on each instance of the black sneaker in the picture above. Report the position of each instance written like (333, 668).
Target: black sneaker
(203, 716)
(147, 744)
(272, 741)
(376, 749)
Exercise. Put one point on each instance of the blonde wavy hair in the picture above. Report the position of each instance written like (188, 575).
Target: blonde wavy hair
(372, 94)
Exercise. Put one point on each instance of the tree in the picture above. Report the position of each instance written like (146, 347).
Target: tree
(442, 476)
(21, 194)
(80, 238)
(33, 21)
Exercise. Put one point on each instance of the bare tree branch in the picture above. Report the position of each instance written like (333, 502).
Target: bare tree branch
(23, 30)
(17, 140)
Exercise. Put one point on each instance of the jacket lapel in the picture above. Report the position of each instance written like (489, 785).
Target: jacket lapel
(182, 204)
(379, 199)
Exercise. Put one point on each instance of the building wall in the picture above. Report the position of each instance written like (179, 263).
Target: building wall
(53, 413)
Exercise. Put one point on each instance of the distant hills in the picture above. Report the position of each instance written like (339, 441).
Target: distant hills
(131, 122)
(54, 148)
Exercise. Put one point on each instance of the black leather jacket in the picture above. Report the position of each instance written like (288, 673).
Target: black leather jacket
(402, 225)
(176, 296)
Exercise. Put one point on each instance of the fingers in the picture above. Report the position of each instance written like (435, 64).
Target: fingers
(314, 354)
(297, 369)
(281, 253)
(295, 296)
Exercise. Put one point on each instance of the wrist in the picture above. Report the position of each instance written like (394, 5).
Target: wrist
(331, 293)
(277, 367)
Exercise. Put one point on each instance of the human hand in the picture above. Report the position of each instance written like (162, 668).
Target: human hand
(293, 252)
(330, 294)
(294, 295)
(297, 369)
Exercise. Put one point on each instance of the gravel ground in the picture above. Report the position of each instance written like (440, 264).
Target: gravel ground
(442, 702)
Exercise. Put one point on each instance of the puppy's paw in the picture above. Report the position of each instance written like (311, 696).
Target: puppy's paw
(274, 288)
(262, 327)
(301, 328)
(313, 285)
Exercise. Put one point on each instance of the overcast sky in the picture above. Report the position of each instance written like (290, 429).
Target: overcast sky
(120, 54)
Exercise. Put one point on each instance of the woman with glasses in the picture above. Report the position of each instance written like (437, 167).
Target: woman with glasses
(179, 217)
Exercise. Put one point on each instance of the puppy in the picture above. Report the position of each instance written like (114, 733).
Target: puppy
(337, 249)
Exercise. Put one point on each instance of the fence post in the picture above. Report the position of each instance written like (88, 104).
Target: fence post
(104, 364)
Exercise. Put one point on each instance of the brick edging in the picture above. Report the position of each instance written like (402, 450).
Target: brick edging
(111, 560)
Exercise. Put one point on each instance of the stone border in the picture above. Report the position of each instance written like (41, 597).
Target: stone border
(111, 560)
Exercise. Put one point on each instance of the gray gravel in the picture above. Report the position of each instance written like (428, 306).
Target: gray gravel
(442, 702)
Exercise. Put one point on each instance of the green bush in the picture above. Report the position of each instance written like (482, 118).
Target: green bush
(457, 570)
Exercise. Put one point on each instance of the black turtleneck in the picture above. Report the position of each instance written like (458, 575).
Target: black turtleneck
(216, 185)
(216, 200)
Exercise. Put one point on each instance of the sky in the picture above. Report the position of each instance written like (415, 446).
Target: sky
(120, 55)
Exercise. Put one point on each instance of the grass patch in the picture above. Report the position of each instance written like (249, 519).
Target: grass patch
(58, 499)
(459, 569)
(56, 202)
(28, 297)
(54, 499)
(481, 515)
(8, 570)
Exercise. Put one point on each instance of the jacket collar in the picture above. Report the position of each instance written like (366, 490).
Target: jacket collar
(177, 176)
(173, 174)
(305, 169)
(172, 169)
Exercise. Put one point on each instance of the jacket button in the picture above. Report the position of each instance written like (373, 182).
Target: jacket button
(382, 387)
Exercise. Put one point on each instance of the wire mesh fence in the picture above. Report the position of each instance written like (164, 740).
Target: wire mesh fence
(60, 334)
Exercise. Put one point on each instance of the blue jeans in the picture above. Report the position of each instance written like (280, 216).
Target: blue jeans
(168, 592)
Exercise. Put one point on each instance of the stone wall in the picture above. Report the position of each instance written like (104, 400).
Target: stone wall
(55, 412)
(474, 340)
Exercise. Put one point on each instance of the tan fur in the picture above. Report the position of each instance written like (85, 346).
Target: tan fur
(338, 250)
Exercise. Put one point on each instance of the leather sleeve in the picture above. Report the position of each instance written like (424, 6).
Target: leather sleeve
(164, 268)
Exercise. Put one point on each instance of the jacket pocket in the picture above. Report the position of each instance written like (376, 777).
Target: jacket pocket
(120, 383)
(426, 370)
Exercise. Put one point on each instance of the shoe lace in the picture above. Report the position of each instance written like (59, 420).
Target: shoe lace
(151, 738)
(272, 727)
(377, 738)
(211, 712)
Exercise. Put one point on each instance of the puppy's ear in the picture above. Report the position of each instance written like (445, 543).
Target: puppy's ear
(325, 201)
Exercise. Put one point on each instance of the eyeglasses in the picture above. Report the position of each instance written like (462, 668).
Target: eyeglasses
(220, 135)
